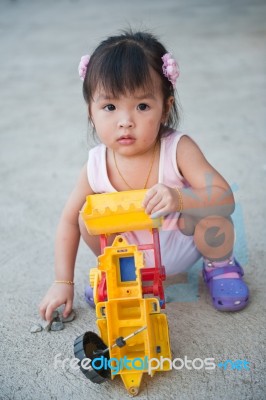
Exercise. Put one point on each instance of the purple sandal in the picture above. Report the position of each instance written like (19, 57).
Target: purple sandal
(89, 296)
(228, 294)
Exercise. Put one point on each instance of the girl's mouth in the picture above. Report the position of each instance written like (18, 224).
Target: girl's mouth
(126, 140)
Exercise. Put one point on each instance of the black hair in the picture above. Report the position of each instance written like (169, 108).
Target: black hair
(123, 63)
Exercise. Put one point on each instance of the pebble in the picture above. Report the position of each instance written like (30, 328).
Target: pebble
(57, 326)
(36, 328)
(55, 314)
(56, 323)
(47, 324)
(70, 318)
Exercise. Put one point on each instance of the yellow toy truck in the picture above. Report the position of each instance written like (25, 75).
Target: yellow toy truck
(128, 296)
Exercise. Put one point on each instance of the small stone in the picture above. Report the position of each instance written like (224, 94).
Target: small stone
(47, 324)
(70, 317)
(36, 328)
(55, 314)
(57, 326)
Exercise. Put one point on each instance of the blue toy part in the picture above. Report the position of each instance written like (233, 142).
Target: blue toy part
(127, 269)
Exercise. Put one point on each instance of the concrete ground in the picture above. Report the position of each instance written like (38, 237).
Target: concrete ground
(220, 46)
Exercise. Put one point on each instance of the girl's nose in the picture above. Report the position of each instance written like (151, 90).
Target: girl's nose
(125, 122)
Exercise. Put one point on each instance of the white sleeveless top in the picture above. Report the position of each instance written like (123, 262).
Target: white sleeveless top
(178, 251)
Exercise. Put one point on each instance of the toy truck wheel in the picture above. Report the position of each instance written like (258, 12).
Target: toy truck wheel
(87, 347)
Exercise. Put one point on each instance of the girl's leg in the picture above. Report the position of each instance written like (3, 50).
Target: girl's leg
(214, 238)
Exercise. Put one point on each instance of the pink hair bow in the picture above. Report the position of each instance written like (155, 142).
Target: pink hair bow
(170, 68)
(83, 65)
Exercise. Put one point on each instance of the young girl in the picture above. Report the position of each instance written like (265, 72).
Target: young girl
(128, 84)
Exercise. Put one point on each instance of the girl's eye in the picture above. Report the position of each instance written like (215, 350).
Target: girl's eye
(143, 107)
(109, 107)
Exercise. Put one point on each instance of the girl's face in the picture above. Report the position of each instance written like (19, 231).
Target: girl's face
(129, 124)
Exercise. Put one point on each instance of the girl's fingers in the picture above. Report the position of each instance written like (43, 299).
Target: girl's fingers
(42, 310)
(158, 203)
(68, 308)
(157, 189)
(49, 312)
(152, 207)
(149, 195)
(154, 204)
(160, 213)
(51, 307)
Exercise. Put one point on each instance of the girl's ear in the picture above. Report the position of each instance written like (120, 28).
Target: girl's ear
(91, 122)
(168, 105)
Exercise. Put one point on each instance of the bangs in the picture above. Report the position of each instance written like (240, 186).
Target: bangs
(122, 69)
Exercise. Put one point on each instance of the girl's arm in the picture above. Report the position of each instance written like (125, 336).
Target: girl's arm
(209, 193)
(66, 247)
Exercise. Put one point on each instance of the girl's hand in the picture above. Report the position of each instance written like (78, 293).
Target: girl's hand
(57, 295)
(160, 200)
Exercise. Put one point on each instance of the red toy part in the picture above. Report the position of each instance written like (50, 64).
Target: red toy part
(102, 290)
(155, 276)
